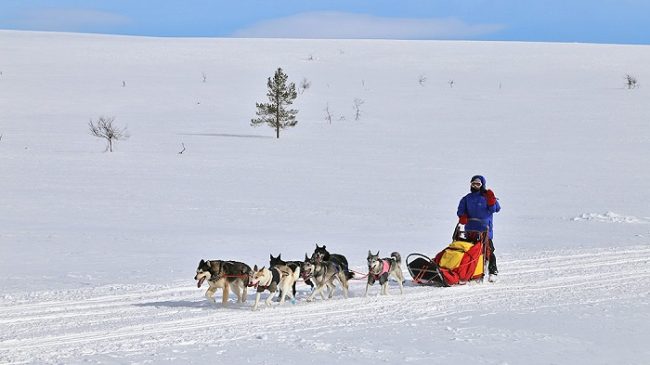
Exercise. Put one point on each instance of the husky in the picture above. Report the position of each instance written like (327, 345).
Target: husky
(323, 274)
(382, 269)
(321, 254)
(226, 275)
(280, 277)
(293, 265)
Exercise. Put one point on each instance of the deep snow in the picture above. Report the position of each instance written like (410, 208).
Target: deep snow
(98, 250)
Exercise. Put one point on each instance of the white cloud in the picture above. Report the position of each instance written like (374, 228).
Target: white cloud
(336, 25)
(70, 20)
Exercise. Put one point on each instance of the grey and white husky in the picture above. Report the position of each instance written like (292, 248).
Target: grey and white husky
(224, 275)
(381, 269)
(323, 274)
(321, 254)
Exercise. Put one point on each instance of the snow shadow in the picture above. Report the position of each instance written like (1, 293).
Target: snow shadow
(226, 135)
(175, 304)
(194, 304)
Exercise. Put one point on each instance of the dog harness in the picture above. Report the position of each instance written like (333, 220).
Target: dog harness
(273, 285)
(385, 267)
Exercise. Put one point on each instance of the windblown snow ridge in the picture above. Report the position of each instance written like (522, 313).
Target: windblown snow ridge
(611, 217)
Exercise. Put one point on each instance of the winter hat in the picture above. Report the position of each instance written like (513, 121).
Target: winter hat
(478, 178)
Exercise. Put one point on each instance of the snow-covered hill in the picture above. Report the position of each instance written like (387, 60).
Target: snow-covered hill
(98, 250)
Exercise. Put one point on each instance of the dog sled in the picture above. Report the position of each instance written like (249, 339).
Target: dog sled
(460, 262)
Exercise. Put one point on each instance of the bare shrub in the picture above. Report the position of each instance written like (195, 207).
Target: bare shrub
(357, 108)
(328, 114)
(422, 79)
(631, 82)
(304, 85)
(105, 129)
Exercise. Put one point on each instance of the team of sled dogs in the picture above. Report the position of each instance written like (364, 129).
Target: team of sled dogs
(322, 271)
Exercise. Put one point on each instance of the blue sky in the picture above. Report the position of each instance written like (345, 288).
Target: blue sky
(591, 21)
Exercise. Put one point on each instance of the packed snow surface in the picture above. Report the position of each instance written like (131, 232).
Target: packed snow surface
(98, 250)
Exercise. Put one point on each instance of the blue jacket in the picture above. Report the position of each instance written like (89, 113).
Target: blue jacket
(474, 205)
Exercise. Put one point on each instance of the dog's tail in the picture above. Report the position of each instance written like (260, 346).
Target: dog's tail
(397, 257)
(349, 274)
(295, 273)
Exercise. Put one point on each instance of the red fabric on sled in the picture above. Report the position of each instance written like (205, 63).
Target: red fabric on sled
(466, 268)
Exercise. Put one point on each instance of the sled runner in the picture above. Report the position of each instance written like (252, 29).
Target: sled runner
(460, 262)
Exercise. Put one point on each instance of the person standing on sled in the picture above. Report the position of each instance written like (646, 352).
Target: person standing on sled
(475, 212)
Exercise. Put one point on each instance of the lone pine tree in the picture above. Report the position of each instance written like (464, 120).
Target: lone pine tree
(275, 113)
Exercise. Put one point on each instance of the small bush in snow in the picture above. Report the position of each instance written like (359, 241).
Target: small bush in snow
(304, 85)
(630, 81)
(357, 108)
(422, 79)
(328, 114)
(105, 129)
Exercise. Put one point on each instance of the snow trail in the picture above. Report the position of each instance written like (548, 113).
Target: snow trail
(88, 323)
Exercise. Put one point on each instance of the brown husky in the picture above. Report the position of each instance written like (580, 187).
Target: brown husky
(224, 275)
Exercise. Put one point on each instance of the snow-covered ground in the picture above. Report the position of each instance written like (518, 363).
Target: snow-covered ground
(98, 250)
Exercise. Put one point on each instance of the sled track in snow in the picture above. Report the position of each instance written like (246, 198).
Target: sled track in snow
(51, 327)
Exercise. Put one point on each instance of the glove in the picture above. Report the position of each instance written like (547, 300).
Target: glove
(491, 199)
(462, 219)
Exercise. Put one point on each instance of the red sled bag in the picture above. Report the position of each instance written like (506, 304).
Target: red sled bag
(462, 261)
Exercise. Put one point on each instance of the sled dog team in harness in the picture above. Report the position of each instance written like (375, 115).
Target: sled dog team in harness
(461, 261)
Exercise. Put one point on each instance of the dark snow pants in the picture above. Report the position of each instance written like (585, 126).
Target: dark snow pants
(492, 264)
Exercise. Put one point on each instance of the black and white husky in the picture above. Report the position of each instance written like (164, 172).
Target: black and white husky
(274, 261)
(278, 277)
(321, 254)
(224, 275)
(324, 274)
(381, 269)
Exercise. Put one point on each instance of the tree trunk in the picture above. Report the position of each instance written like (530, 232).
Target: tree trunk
(277, 119)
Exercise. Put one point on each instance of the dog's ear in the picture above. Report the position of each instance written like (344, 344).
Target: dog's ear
(201, 262)
(207, 262)
(317, 246)
(280, 257)
(271, 256)
(306, 257)
(369, 253)
(255, 268)
(377, 254)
